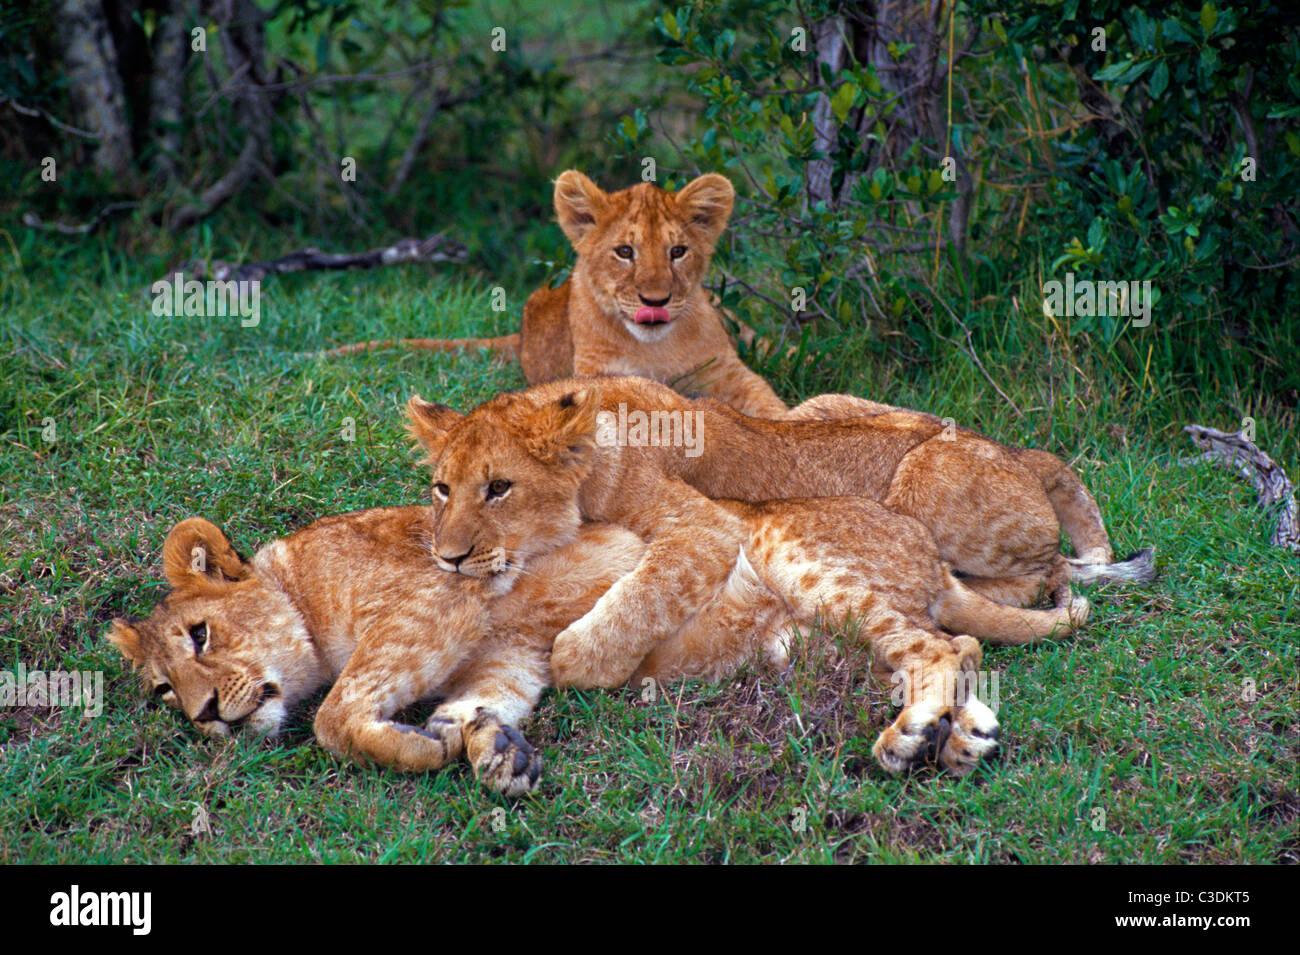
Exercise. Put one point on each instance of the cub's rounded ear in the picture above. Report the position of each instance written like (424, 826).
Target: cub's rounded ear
(578, 203)
(564, 431)
(197, 554)
(127, 640)
(706, 202)
(429, 424)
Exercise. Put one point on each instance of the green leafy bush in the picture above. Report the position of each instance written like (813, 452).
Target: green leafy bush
(1162, 147)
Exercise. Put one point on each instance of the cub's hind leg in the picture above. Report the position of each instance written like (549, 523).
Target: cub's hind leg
(989, 516)
(960, 608)
(1026, 590)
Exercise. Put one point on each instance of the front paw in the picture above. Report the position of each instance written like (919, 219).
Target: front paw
(974, 736)
(504, 760)
(449, 732)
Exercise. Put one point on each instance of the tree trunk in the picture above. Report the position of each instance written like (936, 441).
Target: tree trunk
(916, 84)
(243, 45)
(95, 85)
(167, 87)
(828, 43)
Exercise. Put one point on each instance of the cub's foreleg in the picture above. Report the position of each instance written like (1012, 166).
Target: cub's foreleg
(692, 549)
(399, 662)
(744, 620)
(933, 679)
(483, 711)
(500, 688)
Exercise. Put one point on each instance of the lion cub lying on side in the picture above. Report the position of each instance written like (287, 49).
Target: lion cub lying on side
(512, 479)
(355, 599)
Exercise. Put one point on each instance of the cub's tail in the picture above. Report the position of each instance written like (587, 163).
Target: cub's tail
(1079, 515)
(507, 346)
(959, 609)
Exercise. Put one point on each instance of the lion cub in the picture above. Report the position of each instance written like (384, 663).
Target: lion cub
(350, 600)
(635, 303)
(524, 470)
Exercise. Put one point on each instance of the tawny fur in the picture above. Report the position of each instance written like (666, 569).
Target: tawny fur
(990, 514)
(586, 325)
(350, 601)
(355, 600)
(721, 579)
(844, 562)
(1074, 506)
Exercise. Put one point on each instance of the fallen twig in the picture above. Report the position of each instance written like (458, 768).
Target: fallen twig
(1232, 451)
(436, 248)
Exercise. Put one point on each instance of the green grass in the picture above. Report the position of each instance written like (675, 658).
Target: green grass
(1140, 716)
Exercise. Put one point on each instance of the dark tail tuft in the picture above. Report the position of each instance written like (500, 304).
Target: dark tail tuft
(1138, 567)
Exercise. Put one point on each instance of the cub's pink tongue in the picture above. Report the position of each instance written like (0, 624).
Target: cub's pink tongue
(651, 316)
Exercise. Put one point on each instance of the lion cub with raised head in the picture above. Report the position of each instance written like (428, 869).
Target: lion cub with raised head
(989, 512)
(635, 303)
(355, 600)
(719, 580)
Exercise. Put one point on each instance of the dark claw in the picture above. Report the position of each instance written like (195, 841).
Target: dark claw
(517, 738)
(521, 761)
(534, 770)
(939, 738)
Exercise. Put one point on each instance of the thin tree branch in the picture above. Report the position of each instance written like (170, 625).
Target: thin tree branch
(436, 248)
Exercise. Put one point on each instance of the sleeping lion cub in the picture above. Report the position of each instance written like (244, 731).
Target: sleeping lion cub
(719, 579)
(350, 600)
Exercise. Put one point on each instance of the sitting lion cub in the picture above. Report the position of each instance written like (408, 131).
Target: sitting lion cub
(352, 599)
(523, 471)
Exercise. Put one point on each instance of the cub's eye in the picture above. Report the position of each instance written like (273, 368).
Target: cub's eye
(441, 490)
(677, 251)
(624, 251)
(498, 488)
(199, 634)
(161, 690)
